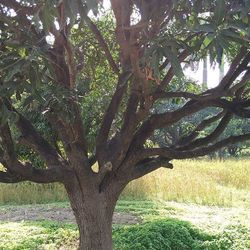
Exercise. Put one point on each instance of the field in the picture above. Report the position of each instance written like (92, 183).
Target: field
(199, 204)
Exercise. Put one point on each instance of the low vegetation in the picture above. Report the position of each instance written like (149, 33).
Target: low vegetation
(157, 232)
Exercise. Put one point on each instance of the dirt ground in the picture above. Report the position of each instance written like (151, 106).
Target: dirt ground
(60, 214)
(206, 217)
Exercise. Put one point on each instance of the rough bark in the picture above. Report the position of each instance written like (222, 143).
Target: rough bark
(93, 211)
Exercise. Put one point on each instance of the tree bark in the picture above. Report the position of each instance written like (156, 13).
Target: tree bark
(93, 212)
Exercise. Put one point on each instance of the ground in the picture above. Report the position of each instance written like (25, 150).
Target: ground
(204, 217)
(54, 213)
(52, 226)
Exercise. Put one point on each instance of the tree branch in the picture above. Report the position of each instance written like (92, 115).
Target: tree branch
(149, 165)
(110, 113)
(238, 65)
(99, 38)
(211, 137)
(205, 123)
(26, 171)
(35, 175)
(157, 121)
(31, 138)
(178, 154)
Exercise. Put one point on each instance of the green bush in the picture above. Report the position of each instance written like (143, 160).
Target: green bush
(172, 234)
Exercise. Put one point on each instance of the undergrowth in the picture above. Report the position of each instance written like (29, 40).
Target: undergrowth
(173, 234)
(161, 234)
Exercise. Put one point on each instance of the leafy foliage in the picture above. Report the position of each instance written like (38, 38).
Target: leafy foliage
(174, 234)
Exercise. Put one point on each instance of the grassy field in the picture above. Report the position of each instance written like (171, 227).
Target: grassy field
(220, 183)
(199, 205)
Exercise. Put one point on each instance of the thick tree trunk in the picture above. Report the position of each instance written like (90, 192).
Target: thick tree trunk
(93, 211)
(95, 227)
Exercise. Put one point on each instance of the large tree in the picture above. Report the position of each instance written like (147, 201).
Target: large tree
(52, 63)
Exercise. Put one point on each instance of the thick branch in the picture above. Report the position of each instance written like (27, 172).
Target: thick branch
(180, 94)
(156, 121)
(31, 138)
(205, 123)
(6, 177)
(178, 154)
(26, 171)
(211, 137)
(150, 165)
(112, 110)
(35, 175)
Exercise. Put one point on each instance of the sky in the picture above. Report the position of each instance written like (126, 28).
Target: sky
(213, 74)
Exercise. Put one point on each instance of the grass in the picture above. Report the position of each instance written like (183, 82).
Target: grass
(154, 234)
(165, 225)
(173, 234)
(31, 193)
(221, 183)
(37, 235)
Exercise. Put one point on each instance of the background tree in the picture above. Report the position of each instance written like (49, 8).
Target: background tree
(48, 65)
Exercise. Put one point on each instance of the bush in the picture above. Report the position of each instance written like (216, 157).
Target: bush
(173, 234)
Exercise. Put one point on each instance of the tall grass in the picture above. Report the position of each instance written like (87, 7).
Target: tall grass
(31, 193)
(222, 183)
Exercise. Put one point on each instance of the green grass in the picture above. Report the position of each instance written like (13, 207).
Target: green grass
(173, 234)
(37, 235)
(158, 234)
(158, 231)
(221, 183)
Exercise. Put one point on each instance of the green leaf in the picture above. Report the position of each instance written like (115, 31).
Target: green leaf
(219, 13)
(208, 28)
(219, 52)
(174, 62)
(13, 69)
(48, 14)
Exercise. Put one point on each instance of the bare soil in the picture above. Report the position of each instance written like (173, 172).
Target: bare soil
(59, 214)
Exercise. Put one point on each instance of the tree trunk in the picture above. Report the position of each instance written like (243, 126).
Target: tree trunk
(94, 212)
(95, 227)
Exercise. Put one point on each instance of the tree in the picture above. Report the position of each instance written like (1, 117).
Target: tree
(45, 67)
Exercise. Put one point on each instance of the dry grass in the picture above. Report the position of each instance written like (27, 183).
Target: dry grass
(222, 183)
(27, 193)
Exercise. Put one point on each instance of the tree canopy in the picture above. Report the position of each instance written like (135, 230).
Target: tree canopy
(81, 85)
